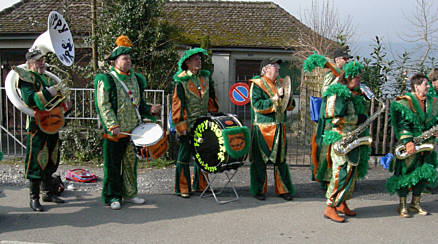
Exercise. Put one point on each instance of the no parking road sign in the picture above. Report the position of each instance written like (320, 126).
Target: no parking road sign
(239, 93)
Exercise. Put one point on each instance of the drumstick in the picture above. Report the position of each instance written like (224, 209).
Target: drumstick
(129, 134)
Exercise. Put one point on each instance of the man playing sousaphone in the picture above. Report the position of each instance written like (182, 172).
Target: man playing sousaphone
(42, 146)
(120, 102)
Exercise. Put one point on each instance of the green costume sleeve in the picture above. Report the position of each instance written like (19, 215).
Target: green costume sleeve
(32, 97)
(261, 101)
(103, 104)
(144, 108)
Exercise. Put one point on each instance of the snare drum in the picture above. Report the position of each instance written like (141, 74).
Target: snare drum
(219, 142)
(149, 138)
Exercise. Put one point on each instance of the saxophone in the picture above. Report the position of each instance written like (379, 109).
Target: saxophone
(400, 150)
(352, 139)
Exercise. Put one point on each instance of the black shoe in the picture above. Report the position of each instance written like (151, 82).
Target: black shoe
(286, 197)
(52, 198)
(35, 205)
(260, 197)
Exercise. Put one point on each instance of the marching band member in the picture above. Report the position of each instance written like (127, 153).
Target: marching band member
(42, 149)
(193, 97)
(321, 168)
(268, 136)
(344, 108)
(411, 115)
(116, 107)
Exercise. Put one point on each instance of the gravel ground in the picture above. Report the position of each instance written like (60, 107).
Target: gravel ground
(161, 181)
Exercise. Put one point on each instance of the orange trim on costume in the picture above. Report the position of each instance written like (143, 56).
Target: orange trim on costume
(265, 186)
(260, 84)
(314, 157)
(192, 88)
(268, 133)
(30, 153)
(202, 181)
(41, 97)
(421, 102)
(183, 185)
(335, 188)
(328, 157)
(279, 187)
(180, 127)
(176, 112)
(212, 105)
(411, 105)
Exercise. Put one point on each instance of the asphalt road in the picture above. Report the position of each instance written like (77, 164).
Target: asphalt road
(166, 218)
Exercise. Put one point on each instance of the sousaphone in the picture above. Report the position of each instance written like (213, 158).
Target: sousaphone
(57, 39)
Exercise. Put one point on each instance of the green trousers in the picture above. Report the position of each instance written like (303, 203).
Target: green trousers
(42, 155)
(120, 171)
(182, 173)
(258, 175)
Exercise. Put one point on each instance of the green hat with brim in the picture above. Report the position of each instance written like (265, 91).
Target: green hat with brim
(119, 51)
(188, 54)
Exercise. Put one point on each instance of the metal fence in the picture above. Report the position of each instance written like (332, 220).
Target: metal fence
(300, 128)
(13, 122)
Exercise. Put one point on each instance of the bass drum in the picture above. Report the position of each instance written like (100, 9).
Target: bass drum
(219, 143)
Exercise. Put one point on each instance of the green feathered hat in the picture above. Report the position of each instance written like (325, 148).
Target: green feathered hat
(188, 54)
(313, 61)
(123, 47)
(352, 69)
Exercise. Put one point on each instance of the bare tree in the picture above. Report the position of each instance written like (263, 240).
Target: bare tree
(326, 30)
(424, 28)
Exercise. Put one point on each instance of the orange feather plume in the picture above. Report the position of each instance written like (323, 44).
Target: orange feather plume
(123, 41)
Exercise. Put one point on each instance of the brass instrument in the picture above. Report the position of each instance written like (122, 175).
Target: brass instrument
(62, 88)
(58, 40)
(401, 153)
(352, 139)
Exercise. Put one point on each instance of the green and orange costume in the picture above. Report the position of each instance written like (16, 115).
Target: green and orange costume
(341, 110)
(42, 149)
(193, 97)
(115, 109)
(268, 137)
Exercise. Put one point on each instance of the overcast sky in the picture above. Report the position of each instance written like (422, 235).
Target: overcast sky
(385, 18)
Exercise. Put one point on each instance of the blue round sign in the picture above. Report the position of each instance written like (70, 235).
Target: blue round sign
(239, 93)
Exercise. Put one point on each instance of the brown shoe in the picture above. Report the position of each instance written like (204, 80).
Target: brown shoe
(343, 208)
(330, 213)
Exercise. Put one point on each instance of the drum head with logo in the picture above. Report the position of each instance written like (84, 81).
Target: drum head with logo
(147, 134)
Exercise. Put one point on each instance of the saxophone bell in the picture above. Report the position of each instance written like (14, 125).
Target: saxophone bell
(401, 153)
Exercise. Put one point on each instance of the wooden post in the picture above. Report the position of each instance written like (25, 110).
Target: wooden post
(372, 124)
(379, 122)
(385, 126)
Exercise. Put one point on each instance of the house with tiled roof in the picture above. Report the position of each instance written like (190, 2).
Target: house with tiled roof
(241, 33)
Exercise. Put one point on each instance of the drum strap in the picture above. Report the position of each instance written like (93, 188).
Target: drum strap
(129, 93)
